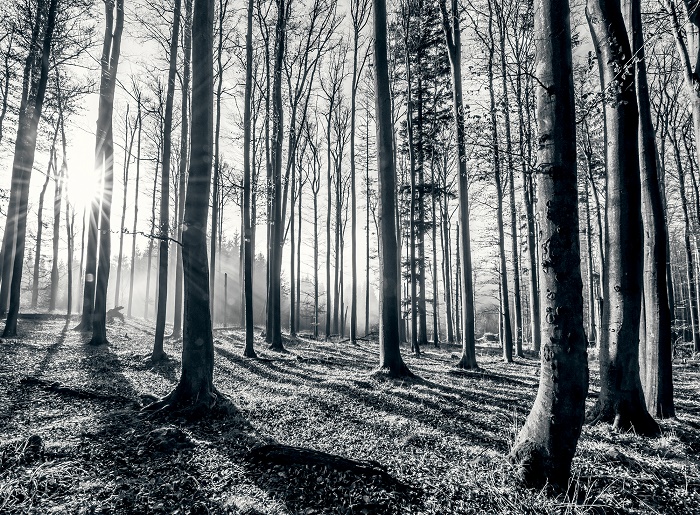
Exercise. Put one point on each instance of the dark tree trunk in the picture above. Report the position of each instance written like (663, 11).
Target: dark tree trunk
(621, 399)
(546, 444)
(658, 381)
(454, 45)
(25, 147)
(390, 361)
(164, 229)
(182, 179)
(107, 86)
(274, 297)
(248, 263)
(195, 390)
(24, 136)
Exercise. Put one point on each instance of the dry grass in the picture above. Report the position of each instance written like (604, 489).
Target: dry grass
(443, 437)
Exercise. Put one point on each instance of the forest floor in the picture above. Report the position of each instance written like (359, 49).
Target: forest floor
(72, 439)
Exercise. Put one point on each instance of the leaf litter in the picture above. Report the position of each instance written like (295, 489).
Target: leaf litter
(72, 439)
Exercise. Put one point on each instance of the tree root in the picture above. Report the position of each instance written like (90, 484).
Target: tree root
(179, 404)
(79, 393)
(384, 373)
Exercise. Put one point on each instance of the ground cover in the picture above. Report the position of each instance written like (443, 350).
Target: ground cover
(306, 431)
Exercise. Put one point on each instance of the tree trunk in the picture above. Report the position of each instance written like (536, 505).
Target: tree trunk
(24, 135)
(40, 226)
(453, 37)
(277, 231)
(621, 398)
(658, 381)
(390, 361)
(182, 180)
(136, 206)
(505, 305)
(517, 305)
(546, 444)
(107, 87)
(128, 146)
(164, 232)
(59, 177)
(248, 263)
(195, 391)
(25, 147)
(151, 235)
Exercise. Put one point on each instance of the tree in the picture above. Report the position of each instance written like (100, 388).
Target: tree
(621, 399)
(195, 389)
(453, 36)
(249, 351)
(658, 380)
(25, 147)
(390, 361)
(164, 229)
(547, 441)
(182, 176)
(105, 160)
(359, 12)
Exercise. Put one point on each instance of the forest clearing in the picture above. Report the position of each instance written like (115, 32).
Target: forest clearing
(441, 438)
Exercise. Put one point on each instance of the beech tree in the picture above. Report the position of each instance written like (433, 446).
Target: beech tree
(545, 445)
(164, 230)
(32, 103)
(453, 36)
(195, 389)
(621, 399)
(390, 361)
(105, 160)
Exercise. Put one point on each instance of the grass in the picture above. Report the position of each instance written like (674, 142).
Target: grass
(443, 438)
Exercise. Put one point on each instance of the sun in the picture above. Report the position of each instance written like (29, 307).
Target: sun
(83, 184)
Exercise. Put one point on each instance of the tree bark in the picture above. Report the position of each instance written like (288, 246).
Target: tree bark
(453, 37)
(164, 229)
(390, 361)
(658, 381)
(107, 87)
(546, 444)
(195, 390)
(127, 161)
(25, 147)
(621, 399)
(182, 179)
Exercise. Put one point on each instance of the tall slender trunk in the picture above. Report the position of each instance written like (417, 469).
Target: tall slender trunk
(182, 180)
(505, 305)
(59, 177)
(164, 229)
(390, 361)
(40, 227)
(25, 147)
(277, 231)
(128, 146)
(153, 226)
(132, 270)
(248, 249)
(517, 305)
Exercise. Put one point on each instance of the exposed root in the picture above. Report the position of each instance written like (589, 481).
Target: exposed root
(386, 372)
(467, 363)
(189, 406)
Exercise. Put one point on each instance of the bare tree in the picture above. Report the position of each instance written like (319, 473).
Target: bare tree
(546, 444)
